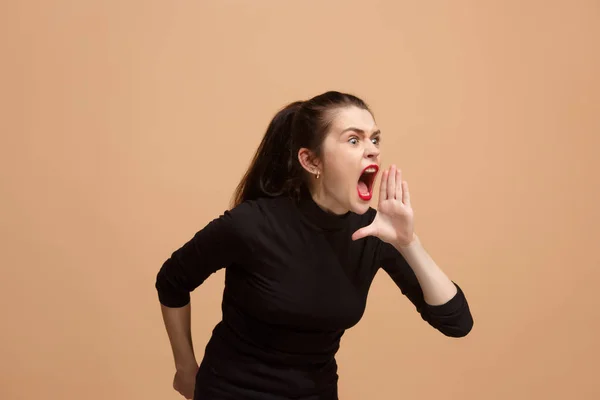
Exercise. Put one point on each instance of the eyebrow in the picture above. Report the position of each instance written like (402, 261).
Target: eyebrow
(361, 131)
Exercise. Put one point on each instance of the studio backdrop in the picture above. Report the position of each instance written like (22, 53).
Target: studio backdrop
(126, 126)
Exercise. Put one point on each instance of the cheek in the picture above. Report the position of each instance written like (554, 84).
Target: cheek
(334, 166)
(340, 166)
(340, 175)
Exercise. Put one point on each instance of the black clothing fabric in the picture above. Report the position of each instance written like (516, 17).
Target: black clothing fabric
(294, 283)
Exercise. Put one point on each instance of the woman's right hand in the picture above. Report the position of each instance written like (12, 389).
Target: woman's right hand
(185, 381)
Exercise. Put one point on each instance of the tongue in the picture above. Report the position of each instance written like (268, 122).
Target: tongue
(363, 188)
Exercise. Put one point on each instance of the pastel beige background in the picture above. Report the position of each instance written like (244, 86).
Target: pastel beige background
(125, 126)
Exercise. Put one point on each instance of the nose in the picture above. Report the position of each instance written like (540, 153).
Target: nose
(372, 151)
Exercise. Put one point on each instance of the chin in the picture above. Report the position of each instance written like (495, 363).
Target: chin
(359, 206)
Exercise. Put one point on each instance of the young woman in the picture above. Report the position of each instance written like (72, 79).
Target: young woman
(301, 246)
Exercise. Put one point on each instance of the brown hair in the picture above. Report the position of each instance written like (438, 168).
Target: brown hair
(275, 169)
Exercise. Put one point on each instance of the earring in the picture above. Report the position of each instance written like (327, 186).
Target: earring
(318, 174)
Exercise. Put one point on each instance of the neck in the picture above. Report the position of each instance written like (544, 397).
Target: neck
(327, 202)
(320, 213)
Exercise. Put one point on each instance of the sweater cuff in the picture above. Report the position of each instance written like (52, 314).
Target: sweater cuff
(172, 299)
(451, 307)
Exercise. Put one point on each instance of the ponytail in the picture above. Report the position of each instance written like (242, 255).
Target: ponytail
(271, 167)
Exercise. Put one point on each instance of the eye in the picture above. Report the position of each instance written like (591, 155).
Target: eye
(353, 140)
(376, 140)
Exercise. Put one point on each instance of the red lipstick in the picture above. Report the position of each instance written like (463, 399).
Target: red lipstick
(366, 182)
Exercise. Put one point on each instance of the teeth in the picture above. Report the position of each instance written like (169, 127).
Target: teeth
(370, 170)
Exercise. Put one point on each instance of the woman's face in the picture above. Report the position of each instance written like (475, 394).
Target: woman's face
(349, 162)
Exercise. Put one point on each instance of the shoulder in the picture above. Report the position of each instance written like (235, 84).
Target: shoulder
(253, 216)
(259, 208)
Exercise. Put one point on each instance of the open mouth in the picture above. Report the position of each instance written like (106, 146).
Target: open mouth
(366, 182)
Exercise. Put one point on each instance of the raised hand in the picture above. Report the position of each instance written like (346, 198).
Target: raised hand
(394, 221)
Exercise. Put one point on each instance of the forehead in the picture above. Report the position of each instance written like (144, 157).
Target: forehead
(353, 117)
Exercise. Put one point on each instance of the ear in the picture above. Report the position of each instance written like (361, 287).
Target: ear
(308, 161)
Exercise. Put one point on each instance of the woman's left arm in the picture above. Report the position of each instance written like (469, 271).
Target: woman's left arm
(437, 288)
(439, 300)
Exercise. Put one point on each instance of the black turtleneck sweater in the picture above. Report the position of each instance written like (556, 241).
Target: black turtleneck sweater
(294, 282)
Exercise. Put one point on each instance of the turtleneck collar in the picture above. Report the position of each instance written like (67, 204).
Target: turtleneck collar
(317, 216)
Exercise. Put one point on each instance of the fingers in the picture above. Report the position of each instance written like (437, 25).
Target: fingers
(393, 187)
(363, 232)
(391, 183)
(383, 186)
(405, 193)
(399, 184)
(359, 234)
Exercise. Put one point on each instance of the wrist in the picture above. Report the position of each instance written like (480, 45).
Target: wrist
(186, 362)
(188, 365)
(407, 245)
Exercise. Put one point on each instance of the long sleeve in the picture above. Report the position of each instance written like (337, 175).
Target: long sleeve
(219, 244)
(452, 318)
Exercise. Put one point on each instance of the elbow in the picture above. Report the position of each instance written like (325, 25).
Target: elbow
(171, 293)
(453, 319)
(170, 296)
(457, 332)
(459, 328)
